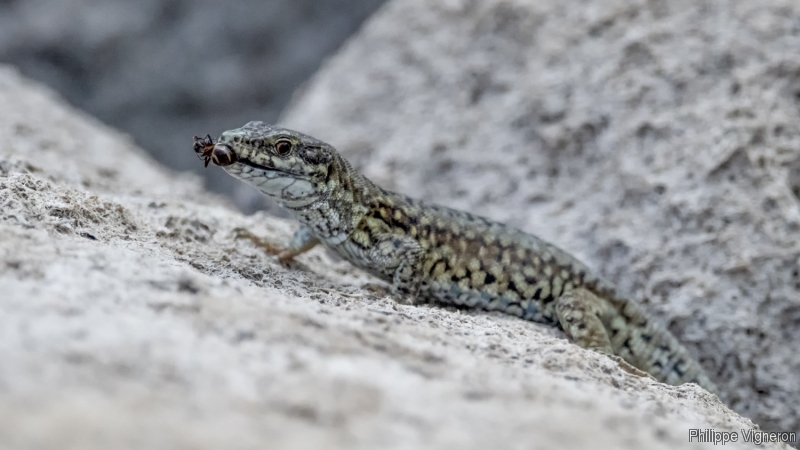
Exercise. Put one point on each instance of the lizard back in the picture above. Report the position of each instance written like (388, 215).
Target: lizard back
(471, 261)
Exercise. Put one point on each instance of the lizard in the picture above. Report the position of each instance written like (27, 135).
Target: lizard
(431, 253)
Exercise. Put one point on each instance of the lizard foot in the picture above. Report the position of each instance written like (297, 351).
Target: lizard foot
(628, 367)
(285, 256)
(377, 288)
(384, 290)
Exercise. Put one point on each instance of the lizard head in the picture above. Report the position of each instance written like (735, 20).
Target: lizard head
(290, 166)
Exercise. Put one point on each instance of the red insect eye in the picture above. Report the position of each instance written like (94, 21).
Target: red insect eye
(283, 148)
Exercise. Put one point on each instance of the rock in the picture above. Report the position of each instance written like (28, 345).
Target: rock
(658, 141)
(131, 317)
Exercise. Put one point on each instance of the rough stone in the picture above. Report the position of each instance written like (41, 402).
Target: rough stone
(659, 141)
(131, 317)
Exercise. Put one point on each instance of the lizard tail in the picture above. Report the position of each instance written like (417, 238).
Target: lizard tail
(650, 347)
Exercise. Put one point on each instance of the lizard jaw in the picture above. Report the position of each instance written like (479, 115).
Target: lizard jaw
(285, 187)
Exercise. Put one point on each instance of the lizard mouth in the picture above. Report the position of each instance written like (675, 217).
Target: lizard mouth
(249, 163)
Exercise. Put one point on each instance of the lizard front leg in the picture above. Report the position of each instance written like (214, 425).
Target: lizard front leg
(579, 312)
(302, 241)
(399, 256)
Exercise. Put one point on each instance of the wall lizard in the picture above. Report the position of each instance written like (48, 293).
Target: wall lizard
(433, 253)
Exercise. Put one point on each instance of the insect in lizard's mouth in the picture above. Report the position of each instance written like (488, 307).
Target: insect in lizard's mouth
(220, 154)
(223, 155)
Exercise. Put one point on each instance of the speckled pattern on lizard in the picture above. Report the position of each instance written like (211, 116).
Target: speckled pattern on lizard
(437, 254)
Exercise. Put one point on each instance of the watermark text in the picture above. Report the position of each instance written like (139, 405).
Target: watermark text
(757, 437)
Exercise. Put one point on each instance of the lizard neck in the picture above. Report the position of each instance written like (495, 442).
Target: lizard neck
(343, 200)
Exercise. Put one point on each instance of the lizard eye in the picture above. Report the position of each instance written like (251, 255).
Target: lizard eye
(283, 147)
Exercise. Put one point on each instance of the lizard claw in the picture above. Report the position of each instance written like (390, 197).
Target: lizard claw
(628, 367)
(384, 290)
(243, 233)
(270, 248)
(376, 288)
(285, 258)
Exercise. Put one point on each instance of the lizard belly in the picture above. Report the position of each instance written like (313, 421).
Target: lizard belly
(473, 273)
(449, 292)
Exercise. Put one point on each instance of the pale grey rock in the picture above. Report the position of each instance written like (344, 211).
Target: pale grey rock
(659, 141)
(130, 317)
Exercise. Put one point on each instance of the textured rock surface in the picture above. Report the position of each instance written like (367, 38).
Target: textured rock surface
(657, 140)
(130, 317)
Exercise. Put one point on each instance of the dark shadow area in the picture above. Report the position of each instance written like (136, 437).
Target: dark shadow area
(165, 70)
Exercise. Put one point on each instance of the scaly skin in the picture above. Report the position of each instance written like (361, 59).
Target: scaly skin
(432, 253)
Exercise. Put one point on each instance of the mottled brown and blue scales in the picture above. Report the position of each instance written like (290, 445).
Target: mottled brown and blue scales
(469, 260)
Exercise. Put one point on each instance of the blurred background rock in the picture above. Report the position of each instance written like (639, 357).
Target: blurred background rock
(166, 70)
